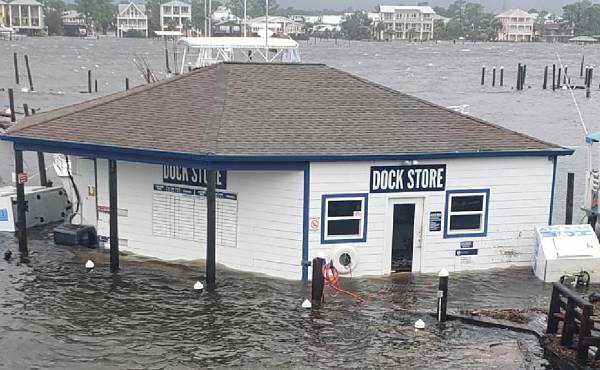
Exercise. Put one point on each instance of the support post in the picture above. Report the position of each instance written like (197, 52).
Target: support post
(552, 327)
(585, 331)
(26, 109)
(211, 225)
(519, 75)
(482, 75)
(42, 168)
(582, 64)
(569, 205)
(501, 76)
(114, 215)
(95, 85)
(126, 84)
(565, 75)
(28, 73)
(494, 76)
(524, 77)
(442, 295)
(545, 78)
(16, 64)
(569, 324)
(167, 60)
(89, 81)
(553, 77)
(21, 206)
(318, 281)
(558, 80)
(11, 105)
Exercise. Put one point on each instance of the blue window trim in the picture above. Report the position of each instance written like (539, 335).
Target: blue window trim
(324, 199)
(485, 221)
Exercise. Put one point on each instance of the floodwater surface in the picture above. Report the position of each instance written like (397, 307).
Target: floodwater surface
(54, 314)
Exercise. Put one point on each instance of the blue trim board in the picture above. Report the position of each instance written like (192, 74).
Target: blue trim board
(447, 212)
(305, 221)
(553, 189)
(324, 199)
(214, 161)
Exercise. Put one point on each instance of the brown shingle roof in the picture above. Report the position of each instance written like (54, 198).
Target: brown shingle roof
(271, 109)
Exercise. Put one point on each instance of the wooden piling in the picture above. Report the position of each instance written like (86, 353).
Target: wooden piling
(126, 84)
(95, 85)
(167, 60)
(559, 77)
(442, 295)
(148, 75)
(494, 76)
(582, 64)
(524, 77)
(501, 76)
(569, 204)
(28, 73)
(26, 110)
(21, 206)
(42, 169)
(553, 77)
(16, 65)
(519, 75)
(89, 81)
(211, 225)
(11, 105)
(114, 215)
(482, 75)
(545, 86)
(565, 75)
(317, 282)
(585, 78)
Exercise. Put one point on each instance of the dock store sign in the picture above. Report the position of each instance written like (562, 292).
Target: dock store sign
(404, 179)
(191, 177)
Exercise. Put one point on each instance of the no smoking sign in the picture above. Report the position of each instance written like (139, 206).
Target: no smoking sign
(315, 224)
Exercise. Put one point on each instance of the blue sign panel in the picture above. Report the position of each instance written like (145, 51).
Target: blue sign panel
(191, 177)
(467, 252)
(3, 214)
(403, 179)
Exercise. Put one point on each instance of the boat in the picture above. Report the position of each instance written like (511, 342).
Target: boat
(204, 51)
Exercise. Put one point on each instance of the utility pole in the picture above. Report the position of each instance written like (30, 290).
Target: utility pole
(209, 18)
(267, 30)
(245, 18)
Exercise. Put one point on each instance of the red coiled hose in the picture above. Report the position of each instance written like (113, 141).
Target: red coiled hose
(332, 279)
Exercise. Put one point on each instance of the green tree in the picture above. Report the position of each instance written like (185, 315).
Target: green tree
(99, 11)
(53, 10)
(356, 27)
(254, 8)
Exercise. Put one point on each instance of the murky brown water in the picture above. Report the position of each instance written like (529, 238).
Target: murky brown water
(53, 314)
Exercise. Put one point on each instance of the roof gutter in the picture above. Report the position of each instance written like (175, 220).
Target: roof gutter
(205, 160)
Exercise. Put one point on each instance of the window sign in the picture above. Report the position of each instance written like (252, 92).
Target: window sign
(402, 179)
(343, 218)
(466, 213)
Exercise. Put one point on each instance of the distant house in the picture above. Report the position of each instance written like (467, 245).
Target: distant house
(517, 26)
(132, 20)
(227, 29)
(553, 32)
(176, 13)
(73, 23)
(276, 25)
(25, 16)
(407, 22)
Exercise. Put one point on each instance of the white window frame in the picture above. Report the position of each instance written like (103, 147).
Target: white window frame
(482, 230)
(362, 217)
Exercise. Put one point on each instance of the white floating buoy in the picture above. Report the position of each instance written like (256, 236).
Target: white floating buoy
(306, 304)
(24, 89)
(420, 324)
(198, 286)
(89, 264)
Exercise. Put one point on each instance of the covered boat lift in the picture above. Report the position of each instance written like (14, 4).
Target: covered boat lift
(205, 51)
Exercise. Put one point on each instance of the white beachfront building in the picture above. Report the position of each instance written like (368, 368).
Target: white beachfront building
(276, 25)
(407, 22)
(22, 15)
(132, 17)
(175, 13)
(517, 25)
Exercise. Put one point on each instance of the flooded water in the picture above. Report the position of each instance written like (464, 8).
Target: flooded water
(53, 314)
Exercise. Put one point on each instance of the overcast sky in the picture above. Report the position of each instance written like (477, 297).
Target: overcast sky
(491, 5)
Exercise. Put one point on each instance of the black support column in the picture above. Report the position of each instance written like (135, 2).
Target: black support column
(21, 206)
(211, 225)
(114, 215)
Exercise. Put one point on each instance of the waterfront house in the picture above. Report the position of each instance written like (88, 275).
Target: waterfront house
(132, 20)
(407, 22)
(276, 25)
(337, 166)
(517, 26)
(227, 29)
(24, 16)
(73, 23)
(175, 15)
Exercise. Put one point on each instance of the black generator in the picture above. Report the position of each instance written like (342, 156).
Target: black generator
(73, 235)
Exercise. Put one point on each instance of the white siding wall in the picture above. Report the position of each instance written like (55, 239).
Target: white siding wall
(269, 236)
(520, 191)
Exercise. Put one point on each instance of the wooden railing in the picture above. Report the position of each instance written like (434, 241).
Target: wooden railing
(576, 315)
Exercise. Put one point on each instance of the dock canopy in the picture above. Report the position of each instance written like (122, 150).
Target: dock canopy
(256, 113)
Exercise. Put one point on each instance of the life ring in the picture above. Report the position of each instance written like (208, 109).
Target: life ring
(345, 259)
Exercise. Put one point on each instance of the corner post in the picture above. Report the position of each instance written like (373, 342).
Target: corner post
(21, 206)
(114, 214)
(211, 225)
(442, 295)
(318, 281)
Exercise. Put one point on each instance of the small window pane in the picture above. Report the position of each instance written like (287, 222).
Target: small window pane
(467, 203)
(465, 222)
(343, 208)
(343, 227)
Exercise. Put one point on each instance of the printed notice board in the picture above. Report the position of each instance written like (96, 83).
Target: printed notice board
(180, 213)
(435, 221)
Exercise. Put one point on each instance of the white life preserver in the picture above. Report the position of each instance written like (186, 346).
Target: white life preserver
(345, 259)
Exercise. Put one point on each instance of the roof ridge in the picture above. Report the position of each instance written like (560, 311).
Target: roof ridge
(478, 120)
(54, 114)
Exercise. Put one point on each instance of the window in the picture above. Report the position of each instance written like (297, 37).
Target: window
(466, 213)
(344, 218)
